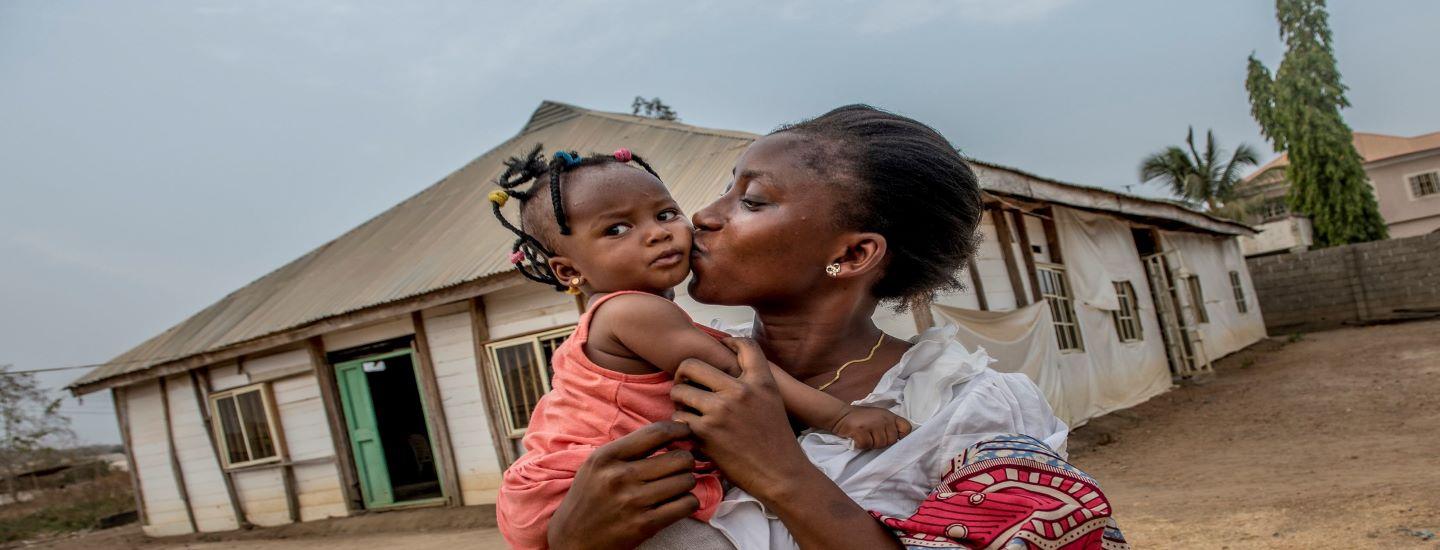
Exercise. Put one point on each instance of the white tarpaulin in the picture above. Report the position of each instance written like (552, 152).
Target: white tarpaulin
(1108, 374)
(1211, 260)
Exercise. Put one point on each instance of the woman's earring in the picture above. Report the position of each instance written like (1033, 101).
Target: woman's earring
(833, 270)
(574, 289)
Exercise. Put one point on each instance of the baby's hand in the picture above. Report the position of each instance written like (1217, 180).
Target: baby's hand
(870, 427)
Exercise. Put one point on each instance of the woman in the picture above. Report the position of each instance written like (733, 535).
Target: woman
(824, 221)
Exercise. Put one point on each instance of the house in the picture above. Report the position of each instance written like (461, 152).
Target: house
(396, 366)
(1403, 172)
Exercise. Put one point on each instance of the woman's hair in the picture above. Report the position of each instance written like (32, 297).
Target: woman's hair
(539, 226)
(907, 183)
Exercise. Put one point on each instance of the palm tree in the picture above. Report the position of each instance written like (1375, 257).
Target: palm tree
(1195, 177)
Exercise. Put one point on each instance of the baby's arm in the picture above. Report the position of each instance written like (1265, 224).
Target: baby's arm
(659, 332)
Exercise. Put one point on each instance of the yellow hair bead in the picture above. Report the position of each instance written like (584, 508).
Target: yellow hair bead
(499, 198)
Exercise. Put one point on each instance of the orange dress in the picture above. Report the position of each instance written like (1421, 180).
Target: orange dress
(587, 407)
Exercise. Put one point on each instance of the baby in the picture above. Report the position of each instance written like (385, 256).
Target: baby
(599, 227)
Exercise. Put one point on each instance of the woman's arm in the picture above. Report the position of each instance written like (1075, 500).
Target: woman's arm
(621, 498)
(740, 423)
(662, 334)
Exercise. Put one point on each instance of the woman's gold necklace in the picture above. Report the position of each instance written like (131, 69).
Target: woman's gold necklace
(841, 370)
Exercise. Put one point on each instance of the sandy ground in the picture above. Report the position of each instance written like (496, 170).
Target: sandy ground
(1331, 441)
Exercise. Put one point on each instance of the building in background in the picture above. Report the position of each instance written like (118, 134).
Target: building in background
(397, 365)
(1404, 172)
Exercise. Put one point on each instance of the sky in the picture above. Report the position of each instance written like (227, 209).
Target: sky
(156, 155)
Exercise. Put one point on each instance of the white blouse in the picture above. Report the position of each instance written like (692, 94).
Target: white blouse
(951, 396)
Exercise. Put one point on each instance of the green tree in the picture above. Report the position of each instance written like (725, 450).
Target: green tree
(653, 108)
(1299, 111)
(1199, 177)
(29, 423)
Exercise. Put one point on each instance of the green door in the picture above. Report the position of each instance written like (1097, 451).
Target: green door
(364, 432)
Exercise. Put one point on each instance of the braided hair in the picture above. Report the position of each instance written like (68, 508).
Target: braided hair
(529, 253)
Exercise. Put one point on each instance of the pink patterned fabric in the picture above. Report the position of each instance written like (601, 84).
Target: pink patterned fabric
(1011, 492)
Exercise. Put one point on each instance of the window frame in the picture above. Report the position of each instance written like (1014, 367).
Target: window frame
(272, 425)
(1197, 299)
(1410, 185)
(535, 339)
(1061, 303)
(1238, 289)
(1127, 317)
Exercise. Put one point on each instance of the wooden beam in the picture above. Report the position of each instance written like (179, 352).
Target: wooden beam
(287, 471)
(977, 284)
(339, 429)
(924, 319)
(1052, 238)
(435, 411)
(202, 400)
(175, 458)
(1002, 234)
(306, 331)
(480, 331)
(122, 414)
(1026, 252)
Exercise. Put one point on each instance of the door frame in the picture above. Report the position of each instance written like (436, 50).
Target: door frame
(430, 429)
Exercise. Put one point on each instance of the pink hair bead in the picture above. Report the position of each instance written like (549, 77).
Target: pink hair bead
(623, 155)
(516, 257)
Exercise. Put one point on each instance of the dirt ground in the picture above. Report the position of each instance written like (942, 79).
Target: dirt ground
(1331, 440)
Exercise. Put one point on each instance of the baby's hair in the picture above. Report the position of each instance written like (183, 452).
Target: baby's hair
(529, 253)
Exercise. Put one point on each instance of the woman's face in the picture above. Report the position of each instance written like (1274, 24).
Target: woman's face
(767, 240)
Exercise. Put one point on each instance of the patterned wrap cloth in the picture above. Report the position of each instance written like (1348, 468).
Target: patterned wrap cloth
(1011, 492)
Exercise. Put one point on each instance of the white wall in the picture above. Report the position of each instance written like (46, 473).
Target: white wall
(163, 507)
(528, 308)
(203, 479)
(452, 351)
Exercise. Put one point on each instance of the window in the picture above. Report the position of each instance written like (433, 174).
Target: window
(1273, 209)
(1239, 292)
(244, 422)
(1127, 318)
(522, 371)
(1197, 299)
(1425, 184)
(1056, 292)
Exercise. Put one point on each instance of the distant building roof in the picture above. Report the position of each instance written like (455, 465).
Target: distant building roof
(1372, 147)
(445, 236)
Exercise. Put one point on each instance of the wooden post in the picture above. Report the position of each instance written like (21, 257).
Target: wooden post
(1052, 238)
(339, 430)
(480, 331)
(924, 319)
(449, 476)
(1002, 233)
(1026, 252)
(287, 469)
(202, 401)
(175, 458)
(580, 303)
(978, 284)
(122, 414)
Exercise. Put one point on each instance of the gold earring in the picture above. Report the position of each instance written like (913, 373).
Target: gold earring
(574, 289)
(833, 270)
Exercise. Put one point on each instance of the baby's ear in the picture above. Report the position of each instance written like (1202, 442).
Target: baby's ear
(563, 268)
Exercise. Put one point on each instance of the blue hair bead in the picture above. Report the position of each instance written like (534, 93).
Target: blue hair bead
(568, 157)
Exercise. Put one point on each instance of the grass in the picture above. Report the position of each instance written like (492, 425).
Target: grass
(74, 508)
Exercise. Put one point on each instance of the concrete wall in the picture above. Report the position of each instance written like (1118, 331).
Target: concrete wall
(1362, 283)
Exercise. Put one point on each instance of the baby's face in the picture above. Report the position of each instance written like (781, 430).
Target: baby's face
(627, 232)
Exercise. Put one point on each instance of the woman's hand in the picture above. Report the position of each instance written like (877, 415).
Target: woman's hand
(740, 421)
(622, 496)
(741, 424)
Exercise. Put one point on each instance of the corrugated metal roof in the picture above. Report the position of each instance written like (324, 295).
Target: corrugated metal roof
(446, 235)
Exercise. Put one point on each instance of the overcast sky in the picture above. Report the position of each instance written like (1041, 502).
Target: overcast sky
(155, 156)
